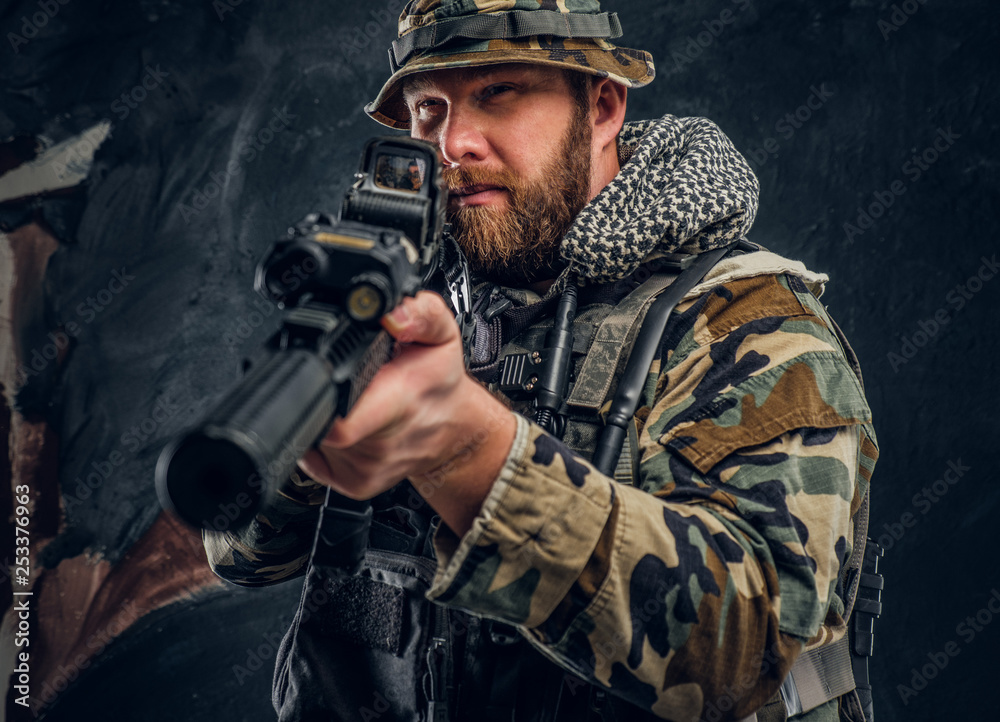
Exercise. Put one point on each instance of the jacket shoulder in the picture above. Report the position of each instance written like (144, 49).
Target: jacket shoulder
(749, 359)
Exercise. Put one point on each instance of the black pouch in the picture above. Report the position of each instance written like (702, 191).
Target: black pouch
(357, 647)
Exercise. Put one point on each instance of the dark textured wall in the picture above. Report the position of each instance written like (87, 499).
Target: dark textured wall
(872, 126)
(904, 281)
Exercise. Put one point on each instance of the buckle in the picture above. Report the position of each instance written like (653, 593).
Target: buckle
(517, 372)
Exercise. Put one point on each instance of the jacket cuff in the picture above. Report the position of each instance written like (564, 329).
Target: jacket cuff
(532, 538)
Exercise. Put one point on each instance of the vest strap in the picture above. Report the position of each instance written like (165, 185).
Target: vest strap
(818, 676)
(627, 469)
(834, 670)
(613, 339)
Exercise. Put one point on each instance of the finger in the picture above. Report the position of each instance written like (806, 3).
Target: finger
(318, 467)
(423, 319)
(425, 322)
(315, 465)
(379, 409)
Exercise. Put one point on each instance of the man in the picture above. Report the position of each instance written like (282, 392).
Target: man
(685, 594)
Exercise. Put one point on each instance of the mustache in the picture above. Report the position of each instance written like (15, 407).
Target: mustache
(458, 178)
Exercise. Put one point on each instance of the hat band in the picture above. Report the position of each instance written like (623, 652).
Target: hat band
(504, 26)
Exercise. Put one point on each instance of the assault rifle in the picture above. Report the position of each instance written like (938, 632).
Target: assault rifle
(337, 278)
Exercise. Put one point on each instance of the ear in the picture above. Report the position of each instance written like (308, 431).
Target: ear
(608, 100)
(607, 113)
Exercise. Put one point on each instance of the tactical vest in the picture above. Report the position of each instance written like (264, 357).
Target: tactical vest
(370, 646)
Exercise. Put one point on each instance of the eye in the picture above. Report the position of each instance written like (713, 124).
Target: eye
(419, 105)
(496, 89)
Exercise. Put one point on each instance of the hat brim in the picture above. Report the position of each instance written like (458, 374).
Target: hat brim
(631, 68)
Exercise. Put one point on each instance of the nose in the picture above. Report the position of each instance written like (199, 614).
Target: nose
(461, 137)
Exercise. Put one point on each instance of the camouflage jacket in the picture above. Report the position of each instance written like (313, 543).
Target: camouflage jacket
(692, 593)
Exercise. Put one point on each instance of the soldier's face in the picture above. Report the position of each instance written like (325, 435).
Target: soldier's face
(517, 148)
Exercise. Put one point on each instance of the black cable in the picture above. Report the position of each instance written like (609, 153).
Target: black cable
(629, 390)
(553, 379)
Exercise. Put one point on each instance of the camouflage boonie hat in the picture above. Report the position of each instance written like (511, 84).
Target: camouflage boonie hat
(437, 34)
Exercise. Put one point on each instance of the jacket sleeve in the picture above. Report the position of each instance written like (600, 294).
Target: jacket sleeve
(275, 546)
(696, 589)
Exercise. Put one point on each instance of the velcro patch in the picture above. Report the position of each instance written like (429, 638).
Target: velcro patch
(368, 613)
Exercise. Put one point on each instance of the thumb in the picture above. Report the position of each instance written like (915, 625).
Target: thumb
(424, 319)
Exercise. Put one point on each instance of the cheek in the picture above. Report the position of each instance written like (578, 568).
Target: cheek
(549, 121)
(420, 130)
(424, 126)
(533, 143)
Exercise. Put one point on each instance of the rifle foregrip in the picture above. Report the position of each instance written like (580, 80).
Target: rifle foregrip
(219, 474)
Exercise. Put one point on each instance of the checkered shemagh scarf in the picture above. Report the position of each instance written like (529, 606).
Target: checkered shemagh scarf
(683, 188)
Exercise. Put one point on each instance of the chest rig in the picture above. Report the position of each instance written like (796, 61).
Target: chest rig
(365, 643)
(580, 376)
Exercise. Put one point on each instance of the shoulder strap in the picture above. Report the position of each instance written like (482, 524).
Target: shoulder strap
(612, 339)
(647, 343)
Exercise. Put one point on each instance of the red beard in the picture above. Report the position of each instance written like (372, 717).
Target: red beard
(519, 244)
